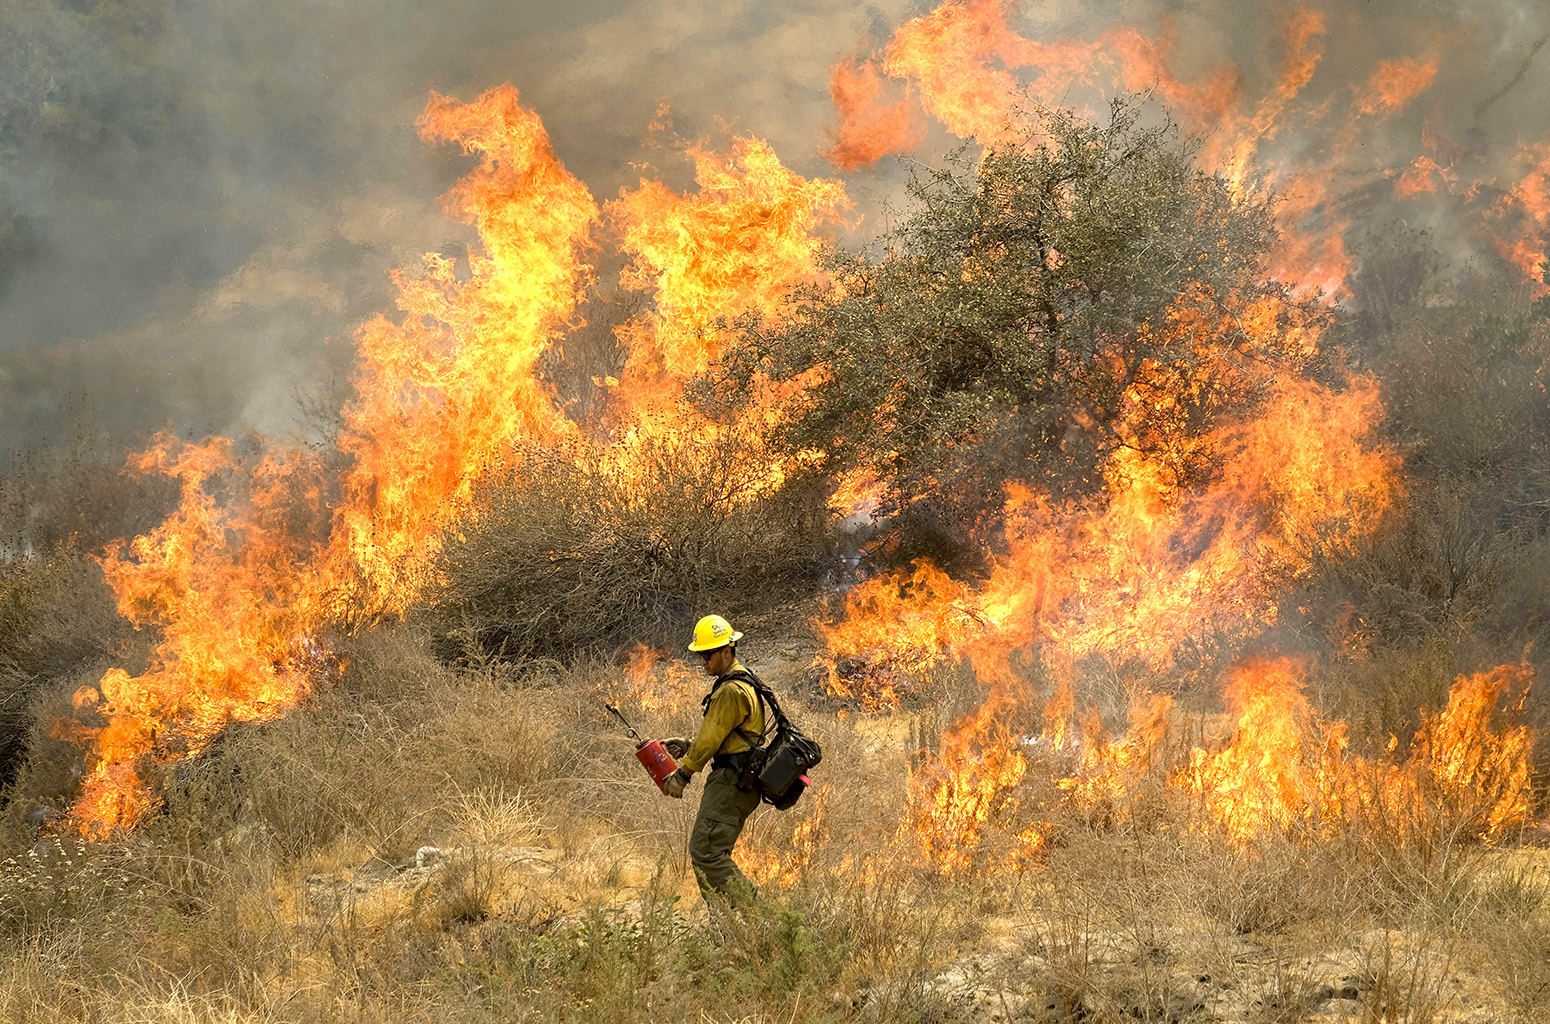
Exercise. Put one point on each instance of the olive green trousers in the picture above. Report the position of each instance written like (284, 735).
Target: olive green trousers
(723, 810)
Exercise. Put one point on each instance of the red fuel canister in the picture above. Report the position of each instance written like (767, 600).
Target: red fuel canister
(657, 760)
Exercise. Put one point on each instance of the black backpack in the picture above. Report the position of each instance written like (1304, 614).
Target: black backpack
(777, 769)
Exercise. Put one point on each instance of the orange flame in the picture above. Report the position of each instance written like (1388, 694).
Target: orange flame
(1144, 66)
(1467, 766)
(653, 681)
(231, 651)
(1110, 769)
(1396, 83)
(1155, 569)
(786, 863)
(1284, 769)
(441, 397)
(950, 52)
(955, 797)
(868, 128)
(1270, 775)
(444, 393)
(257, 560)
(975, 74)
(1156, 565)
(1303, 33)
(740, 245)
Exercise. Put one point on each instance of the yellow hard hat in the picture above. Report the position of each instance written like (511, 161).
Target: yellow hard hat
(712, 632)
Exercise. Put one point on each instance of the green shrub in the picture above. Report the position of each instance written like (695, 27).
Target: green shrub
(1018, 326)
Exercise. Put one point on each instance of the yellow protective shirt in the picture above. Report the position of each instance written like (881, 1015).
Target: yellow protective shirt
(734, 711)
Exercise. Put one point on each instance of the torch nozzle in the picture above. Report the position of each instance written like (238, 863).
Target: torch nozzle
(627, 726)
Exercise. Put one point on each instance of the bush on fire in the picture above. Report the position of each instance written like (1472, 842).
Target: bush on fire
(1016, 325)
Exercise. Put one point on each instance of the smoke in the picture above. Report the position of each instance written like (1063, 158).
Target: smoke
(199, 200)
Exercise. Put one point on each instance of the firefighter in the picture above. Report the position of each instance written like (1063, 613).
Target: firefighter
(733, 726)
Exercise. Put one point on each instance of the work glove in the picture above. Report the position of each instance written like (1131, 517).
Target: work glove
(674, 784)
(677, 746)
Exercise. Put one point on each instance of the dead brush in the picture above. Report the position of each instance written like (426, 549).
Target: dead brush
(862, 939)
(1109, 932)
(1405, 982)
(168, 939)
(310, 781)
(1421, 849)
(1520, 964)
(372, 763)
(586, 548)
(467, 888)
(1067, 946)
(1264, 887)
(59, 884)
(1291, 997)
(1509, 914)
(490, 818)
(486, 729)
(472, 879)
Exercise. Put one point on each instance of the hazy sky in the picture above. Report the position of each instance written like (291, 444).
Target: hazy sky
(200, 198)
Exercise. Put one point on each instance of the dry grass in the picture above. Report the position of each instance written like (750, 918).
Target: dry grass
(281, 884)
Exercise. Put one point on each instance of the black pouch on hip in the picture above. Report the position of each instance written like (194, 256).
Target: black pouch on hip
(748, 777)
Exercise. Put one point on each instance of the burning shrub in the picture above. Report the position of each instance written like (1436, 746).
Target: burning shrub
(56, 619)
(1079, 291)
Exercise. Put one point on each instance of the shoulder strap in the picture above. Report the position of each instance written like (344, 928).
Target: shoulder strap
(765, 695)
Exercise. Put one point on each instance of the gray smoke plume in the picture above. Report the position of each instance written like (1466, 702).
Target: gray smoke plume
(199, 200)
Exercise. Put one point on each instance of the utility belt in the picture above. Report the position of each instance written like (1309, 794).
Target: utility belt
(734, 761)
(746, 763)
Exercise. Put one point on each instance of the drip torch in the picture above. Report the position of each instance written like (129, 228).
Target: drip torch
(650, 753)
